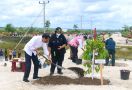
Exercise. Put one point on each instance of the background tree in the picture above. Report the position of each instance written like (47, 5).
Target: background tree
(127, 31)
(9, 28)
(32, 30)
(131, 30)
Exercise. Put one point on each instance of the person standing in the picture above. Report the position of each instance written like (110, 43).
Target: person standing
(74, 44)
(14, 53)
(69, 38)
(19, 53)
(6, 55)
(127, 41)
(10, 54)
(110, 46)
(31, 54)
(1, 54)
(57, 50)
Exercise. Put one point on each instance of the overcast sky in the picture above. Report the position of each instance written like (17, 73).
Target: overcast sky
(102, 14)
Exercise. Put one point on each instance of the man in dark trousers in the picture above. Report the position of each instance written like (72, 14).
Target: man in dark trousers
(57, 50)
(31, 54)
(110, 46)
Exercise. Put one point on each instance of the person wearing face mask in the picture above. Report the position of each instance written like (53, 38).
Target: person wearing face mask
(31, 54)
(57, 50)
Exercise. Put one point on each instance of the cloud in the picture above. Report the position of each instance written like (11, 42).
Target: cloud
(65, 13)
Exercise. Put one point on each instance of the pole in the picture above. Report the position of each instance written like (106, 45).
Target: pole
(91, 25)
(93, 60)
(44, 15)
(101, 73)
(81, 22)
(44, 4)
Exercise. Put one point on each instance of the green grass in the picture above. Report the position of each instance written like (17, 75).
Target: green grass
(124, 52)
(11, 45)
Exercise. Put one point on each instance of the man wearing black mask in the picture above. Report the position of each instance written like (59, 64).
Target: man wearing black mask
(57, 50)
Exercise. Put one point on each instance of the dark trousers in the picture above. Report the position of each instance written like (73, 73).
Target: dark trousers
(70, 54)
(14, 56)
(56, 59)
(112, 55)
(74, 51)
(10, 57)
(28, 65)
(6, 58)
(19, 55)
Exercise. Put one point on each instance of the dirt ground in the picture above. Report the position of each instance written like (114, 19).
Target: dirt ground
(60, 80)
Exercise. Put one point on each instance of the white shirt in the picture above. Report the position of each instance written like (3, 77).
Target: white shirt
(35, 43)
(81, 41)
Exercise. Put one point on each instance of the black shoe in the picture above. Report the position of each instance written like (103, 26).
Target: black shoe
(70, 58)
(36, 77)
(113, 64)
(105, 64)
(73, 60)
(60, 72)
(51, 73)
(26, 80)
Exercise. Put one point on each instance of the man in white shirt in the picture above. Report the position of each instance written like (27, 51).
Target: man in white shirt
(31, 54)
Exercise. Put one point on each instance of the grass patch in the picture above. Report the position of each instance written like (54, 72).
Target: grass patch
(124, 52)
(11, 45)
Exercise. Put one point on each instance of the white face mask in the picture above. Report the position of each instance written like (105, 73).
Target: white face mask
(58, 34)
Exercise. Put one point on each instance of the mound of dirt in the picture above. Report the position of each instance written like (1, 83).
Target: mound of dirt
(60, 80)
(78, 71)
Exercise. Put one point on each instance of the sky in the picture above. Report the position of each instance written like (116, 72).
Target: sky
(87, 14)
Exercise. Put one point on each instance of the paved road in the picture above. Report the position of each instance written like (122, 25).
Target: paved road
(120, 40)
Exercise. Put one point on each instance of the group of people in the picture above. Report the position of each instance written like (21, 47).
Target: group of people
(9, 54)
(54, 49)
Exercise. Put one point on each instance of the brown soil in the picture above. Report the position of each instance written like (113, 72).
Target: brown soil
(78, 71)
(59, 80)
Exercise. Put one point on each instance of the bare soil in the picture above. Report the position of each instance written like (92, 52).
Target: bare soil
(60, 80)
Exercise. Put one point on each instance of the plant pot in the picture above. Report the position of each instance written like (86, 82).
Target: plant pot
(125, 74)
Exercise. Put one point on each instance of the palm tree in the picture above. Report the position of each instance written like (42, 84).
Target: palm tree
(47, 24)
(75, 26)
